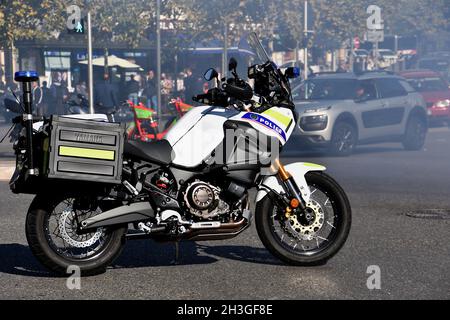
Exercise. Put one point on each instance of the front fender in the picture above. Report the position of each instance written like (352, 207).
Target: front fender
(298, 172)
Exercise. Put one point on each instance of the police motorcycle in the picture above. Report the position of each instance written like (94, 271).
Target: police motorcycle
(94, 190)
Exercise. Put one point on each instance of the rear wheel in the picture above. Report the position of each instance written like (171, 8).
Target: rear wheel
(51, 230)
(310, 238)
(415, 135)
(344, 139)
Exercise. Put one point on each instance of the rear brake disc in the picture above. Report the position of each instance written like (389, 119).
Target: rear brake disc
(68, 231)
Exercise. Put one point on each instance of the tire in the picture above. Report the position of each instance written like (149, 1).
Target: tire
(344, 139)
(264, 215)
(40, 209)
(415, 135)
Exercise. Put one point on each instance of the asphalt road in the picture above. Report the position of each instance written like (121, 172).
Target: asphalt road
(383, 183)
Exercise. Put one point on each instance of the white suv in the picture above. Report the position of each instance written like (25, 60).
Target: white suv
(341, 110)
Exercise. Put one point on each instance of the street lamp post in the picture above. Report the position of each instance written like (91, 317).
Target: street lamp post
(306, 41)
(90, 68)
(225, 50)
(158, 57)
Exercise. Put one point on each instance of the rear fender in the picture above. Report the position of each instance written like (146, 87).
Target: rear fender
(298, 172)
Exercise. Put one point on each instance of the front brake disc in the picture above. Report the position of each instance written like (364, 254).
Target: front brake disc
(307, 230)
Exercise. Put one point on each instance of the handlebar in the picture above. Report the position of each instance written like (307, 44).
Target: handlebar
(242, 93)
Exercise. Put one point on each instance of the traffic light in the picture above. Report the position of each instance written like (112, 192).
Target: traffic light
(79, 28)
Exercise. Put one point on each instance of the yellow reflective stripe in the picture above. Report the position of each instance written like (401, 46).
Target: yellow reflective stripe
(86, 153)
(281, 118)
(312, 165)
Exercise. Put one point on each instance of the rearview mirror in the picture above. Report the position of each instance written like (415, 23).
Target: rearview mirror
(210, 74)
(13, 106)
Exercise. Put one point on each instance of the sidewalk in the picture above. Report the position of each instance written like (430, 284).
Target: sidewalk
(6, 170)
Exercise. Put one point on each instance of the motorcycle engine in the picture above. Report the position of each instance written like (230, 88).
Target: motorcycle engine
(203, 200)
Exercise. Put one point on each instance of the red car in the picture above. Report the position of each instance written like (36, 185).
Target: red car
(435, 91)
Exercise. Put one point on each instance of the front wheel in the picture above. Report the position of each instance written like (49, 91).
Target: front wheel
(344, 139)
(415, 135)
(51, 230)
(308, 238)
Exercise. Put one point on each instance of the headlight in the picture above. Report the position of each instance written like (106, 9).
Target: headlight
(443, 104)
(314, 123)
(315, 110)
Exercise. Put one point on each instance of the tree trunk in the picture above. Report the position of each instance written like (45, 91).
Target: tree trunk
(9, 63)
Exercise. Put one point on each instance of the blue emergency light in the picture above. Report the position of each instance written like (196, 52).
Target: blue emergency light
(26, 76)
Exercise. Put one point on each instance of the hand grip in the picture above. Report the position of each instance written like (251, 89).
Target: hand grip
(239, 92)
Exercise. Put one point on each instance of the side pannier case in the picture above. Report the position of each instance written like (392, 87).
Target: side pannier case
(85, 150)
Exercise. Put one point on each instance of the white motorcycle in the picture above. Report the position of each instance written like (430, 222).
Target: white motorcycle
(191, 186)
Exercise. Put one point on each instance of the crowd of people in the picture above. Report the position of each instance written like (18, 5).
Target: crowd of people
(109, 93)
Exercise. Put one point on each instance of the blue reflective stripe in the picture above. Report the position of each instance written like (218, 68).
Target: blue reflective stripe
(265, 122)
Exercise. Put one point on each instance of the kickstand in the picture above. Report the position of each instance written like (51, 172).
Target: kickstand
(177, 253)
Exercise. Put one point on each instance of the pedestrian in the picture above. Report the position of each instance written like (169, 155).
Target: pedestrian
(370, 64)
(2, 87)
(60, 94)
(132, 88)
(342, 68)
(191, 87)
(47, 99)
(105, 94)
(36, 92)
(81, 89)
(166, 91)
(151, 90)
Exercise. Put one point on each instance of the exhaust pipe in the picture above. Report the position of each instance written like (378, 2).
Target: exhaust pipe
(122, 215)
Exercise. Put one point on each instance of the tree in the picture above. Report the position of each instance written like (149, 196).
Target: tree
(120, 21)
(19, 21)
(415, 17)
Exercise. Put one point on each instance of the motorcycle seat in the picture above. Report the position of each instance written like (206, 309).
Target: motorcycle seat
(159, 152)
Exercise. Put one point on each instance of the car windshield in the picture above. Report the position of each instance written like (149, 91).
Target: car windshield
(326, 89)
(428, 84)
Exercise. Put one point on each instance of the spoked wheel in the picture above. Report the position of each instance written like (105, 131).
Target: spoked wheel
(312, 237)
(52, 235)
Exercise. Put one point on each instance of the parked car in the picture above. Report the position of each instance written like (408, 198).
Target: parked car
(440, 65)
(387, 58)
(341, 110)
(435, 90)
(439, 55)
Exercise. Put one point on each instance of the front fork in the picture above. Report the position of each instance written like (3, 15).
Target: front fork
(296, 200)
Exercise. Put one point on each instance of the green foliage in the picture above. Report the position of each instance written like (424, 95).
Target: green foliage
(113, 20)
(19, 19)
(334, 21)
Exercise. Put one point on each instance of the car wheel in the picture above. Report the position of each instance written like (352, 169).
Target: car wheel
(415, 135)
(344, 139)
